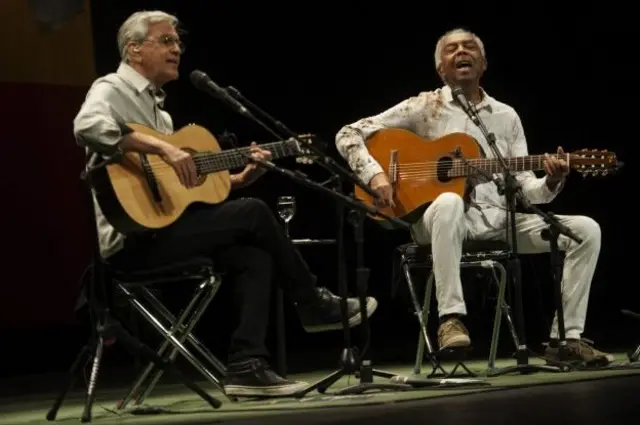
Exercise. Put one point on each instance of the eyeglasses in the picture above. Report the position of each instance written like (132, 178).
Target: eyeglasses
(169, 41)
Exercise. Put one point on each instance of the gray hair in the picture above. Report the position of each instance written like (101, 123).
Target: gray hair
(439, 44)
(136, 28)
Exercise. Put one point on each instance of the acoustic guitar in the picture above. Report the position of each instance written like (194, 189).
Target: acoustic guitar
(419, 170)
(141, 191)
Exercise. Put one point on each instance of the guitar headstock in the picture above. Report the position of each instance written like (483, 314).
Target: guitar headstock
(594, 162)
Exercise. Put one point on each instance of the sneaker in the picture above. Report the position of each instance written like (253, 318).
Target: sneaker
(254, 378)
(579, 352)
(324, 314)
(453, 334)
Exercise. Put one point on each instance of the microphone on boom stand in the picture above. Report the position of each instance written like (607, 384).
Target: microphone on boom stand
(513, 195)
(349, 363)
(202, 81)
(325, 161)
(461, 100)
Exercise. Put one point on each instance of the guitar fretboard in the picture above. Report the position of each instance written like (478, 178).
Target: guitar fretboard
(463, 168)
(211, 162)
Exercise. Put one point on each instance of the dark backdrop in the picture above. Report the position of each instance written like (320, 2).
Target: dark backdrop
(323, 65)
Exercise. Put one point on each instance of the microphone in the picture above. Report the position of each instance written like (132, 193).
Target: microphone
(202, 81)
(461, 99)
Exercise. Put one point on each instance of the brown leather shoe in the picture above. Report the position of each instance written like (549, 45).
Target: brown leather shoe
(453, 334)
(580, 353)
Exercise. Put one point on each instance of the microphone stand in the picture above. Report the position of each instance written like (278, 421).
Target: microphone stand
(349, 364)
(513, 194)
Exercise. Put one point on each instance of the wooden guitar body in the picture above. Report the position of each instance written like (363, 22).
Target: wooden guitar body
(125, 194)
(421, 170)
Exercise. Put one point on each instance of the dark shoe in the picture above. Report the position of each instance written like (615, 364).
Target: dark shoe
(453, 334)
(324, 314)
(579, 352)
(254, 378)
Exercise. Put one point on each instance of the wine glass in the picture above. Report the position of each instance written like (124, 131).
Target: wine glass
(286, 206)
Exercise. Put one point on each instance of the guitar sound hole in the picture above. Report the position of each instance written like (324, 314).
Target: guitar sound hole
(444, 166)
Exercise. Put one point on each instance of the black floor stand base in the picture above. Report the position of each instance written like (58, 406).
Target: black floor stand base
(364, 372)
(524, 367)
(437, 371)
(366, 375)
(106, 336)
(458, 355)
(439, 378)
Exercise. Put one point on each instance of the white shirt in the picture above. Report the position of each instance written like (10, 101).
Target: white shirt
(434, 114)
(113, 101)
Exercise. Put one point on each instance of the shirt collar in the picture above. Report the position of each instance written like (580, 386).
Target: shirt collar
(486, 103)
(140, 83)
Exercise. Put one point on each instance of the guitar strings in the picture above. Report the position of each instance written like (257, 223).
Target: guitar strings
(160, 168)
(409, 170)
(479, 162)
(434, 168)
(225, 158)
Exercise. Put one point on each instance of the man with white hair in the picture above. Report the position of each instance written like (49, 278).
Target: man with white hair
(241, 235)
(460, 62)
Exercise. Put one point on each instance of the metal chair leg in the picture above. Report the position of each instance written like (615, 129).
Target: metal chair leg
(424, 334)
(174, 341)
(502, 308)
(212, 285)
(423, 317)
(175, 329)
(204, 351)
(506, 309)
(497, 320)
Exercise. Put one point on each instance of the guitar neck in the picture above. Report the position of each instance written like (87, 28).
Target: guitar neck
(211, 162)
(464, 168)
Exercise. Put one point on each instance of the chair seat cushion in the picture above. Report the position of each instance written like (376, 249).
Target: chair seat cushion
(199, 267)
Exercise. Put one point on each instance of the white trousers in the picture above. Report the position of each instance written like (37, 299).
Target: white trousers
(445, 225)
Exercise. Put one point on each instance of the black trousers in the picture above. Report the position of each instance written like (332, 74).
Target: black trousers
(246, 240)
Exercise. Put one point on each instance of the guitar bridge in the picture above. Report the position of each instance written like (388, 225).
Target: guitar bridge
(393, 168)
